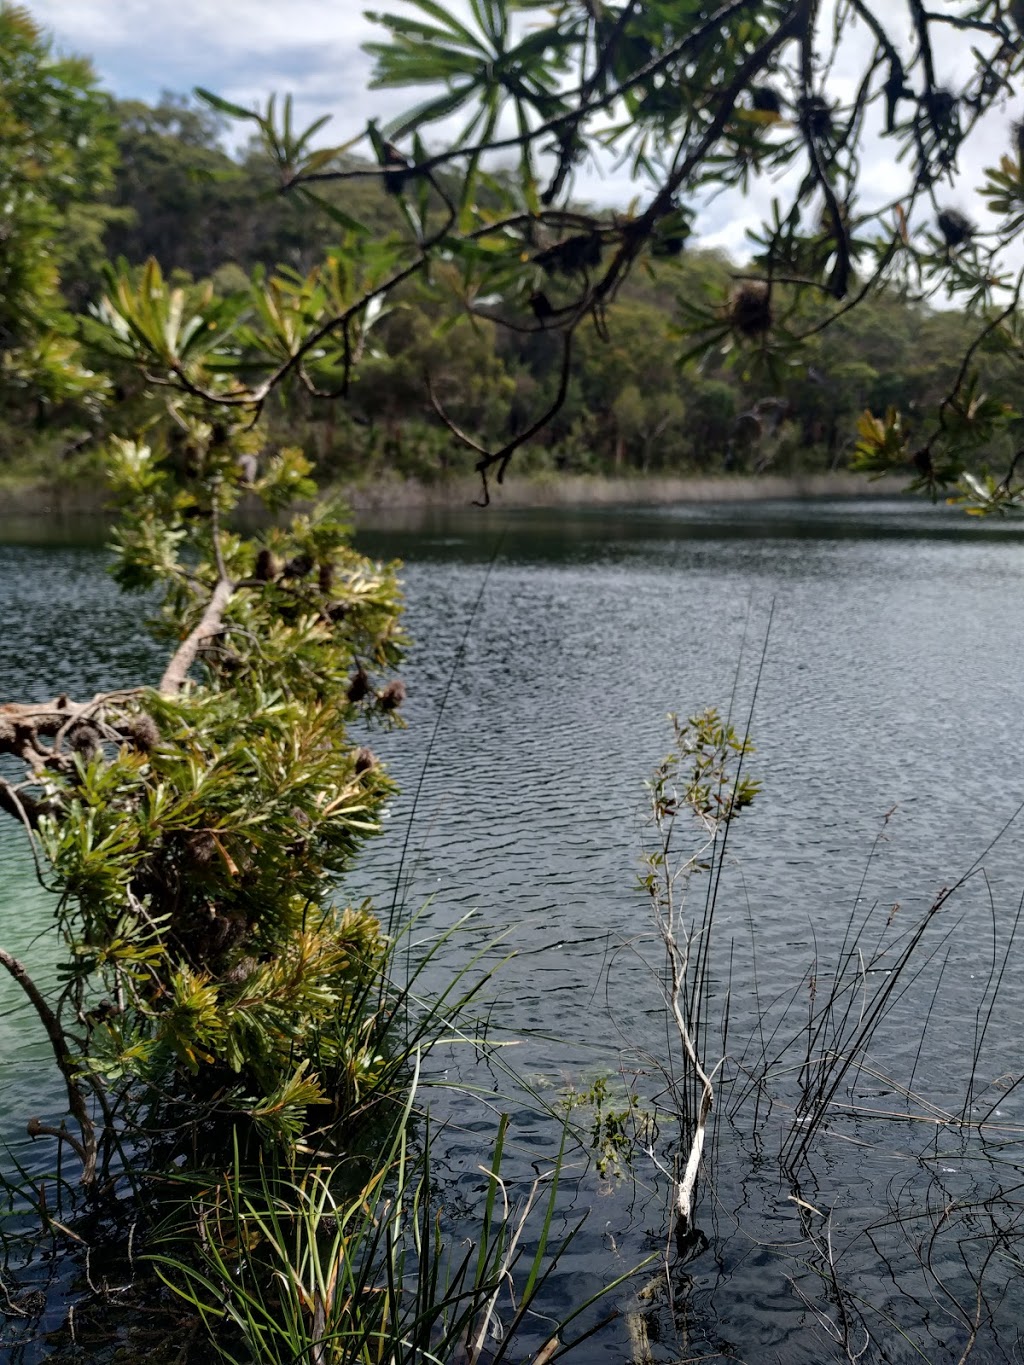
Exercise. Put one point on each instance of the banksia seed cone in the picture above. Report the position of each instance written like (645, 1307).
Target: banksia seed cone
(940, 103)
(955, 227)
(141, 731)
(392, 696)
(572, 256)
(358, 686)
(815, 116)
(241, 971)
(85, 740)
(396, 169)
(667, 246)
(750, 307)
(541, 306)
(298, 566)
(766, 99)
(365, 759)
(266, 566)
(201, 847)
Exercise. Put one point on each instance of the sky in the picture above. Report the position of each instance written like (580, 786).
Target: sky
(247, 49)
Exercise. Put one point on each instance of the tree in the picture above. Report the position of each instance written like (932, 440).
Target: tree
(193, 830)
(183, 200)
(56, 161)
(697, 99)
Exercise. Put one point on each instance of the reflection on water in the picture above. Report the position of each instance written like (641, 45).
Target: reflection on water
(560, 641)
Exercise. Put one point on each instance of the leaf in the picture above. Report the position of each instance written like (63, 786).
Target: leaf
(336, 214)
(430, 110)
(317, 160)
(443, 16)
(226, 107)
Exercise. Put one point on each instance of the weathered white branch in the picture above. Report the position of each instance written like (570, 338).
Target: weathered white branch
(685, 1188)
(210, 624)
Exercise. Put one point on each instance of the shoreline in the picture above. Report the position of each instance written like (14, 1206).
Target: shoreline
(30, 501)
(604, 490)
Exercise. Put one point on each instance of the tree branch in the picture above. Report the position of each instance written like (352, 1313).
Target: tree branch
(209, 625)
(570, 119)
(86, 1149)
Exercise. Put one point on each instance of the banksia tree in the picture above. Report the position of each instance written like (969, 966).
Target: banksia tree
(195, 826)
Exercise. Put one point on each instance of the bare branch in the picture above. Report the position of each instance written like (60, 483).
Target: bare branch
(23, 807)
(993, 325)
(501, 457)
(76, 1099)
(209, 626)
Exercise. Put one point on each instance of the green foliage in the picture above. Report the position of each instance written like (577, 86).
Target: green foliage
(616, 1123)
(881, 444)
(466, 311)
(179, 327)
(196, 830)
(630, 405)
(696, 794)
(352, 1266)
(703, 773)
(183, 200)
(253, 801)
(692, 103)
(437, 298)
(56, 160)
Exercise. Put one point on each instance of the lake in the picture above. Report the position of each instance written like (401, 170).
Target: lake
(877, 647)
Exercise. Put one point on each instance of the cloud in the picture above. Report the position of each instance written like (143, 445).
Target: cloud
(243, 49)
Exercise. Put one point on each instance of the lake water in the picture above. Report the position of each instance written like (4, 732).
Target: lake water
(879, 647)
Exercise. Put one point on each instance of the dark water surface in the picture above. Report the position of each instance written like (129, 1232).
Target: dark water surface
(888, 704)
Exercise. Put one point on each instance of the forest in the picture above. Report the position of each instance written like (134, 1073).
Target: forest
(165, 188)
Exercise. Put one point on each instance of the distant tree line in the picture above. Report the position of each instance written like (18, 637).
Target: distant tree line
(157, 182)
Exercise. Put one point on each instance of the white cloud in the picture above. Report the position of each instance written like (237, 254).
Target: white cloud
(243, 49)
(157, 30)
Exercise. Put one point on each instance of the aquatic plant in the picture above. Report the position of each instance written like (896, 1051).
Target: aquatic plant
(352, 1262)
(715, 1099)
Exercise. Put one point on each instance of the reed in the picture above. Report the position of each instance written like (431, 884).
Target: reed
(323, 1264)
(953, 1234)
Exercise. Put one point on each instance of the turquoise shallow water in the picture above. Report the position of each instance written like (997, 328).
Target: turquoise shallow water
(558, 642)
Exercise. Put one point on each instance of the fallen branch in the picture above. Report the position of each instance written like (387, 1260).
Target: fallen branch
(35, 733)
